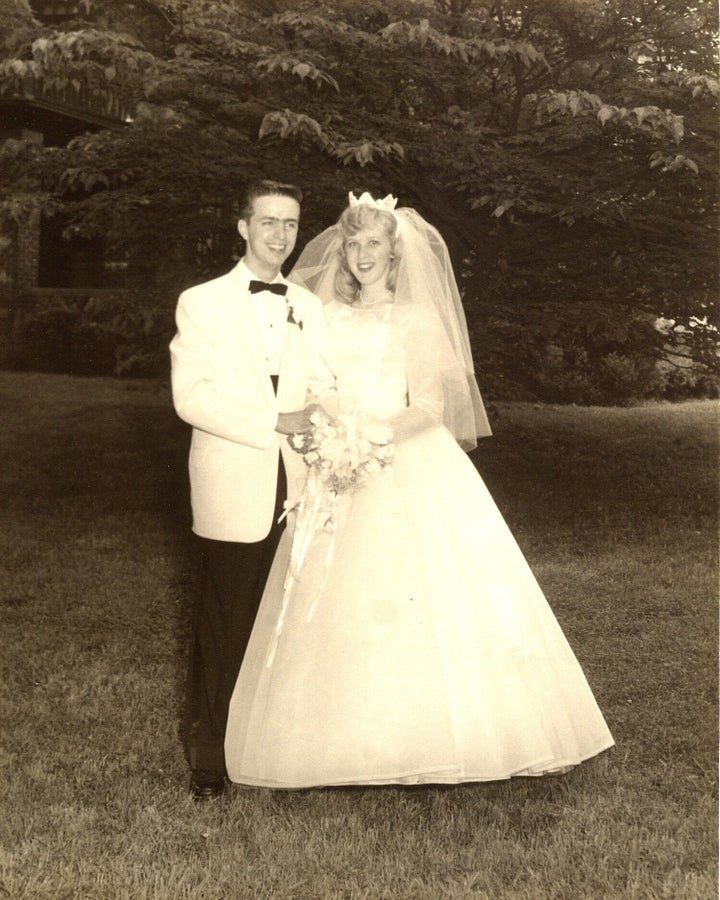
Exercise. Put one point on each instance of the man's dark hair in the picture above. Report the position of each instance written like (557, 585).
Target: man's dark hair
(267, 188)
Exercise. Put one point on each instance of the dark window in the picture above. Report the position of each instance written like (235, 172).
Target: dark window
(54, 11)
(74, 262)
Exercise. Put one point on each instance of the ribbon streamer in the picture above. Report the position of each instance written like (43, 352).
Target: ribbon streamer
(339, 461)
(316, 516)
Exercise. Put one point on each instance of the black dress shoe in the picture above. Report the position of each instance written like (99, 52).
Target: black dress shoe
(206, 785)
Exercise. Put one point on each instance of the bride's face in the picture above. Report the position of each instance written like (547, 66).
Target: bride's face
(368, 254)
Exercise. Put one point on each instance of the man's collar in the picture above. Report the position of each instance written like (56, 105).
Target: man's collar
(248, 275)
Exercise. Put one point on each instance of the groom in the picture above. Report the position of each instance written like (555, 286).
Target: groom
(240, 365)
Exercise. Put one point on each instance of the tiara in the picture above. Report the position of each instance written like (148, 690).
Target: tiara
(387, 204)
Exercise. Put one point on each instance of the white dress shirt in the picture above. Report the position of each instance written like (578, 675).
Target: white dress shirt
(271, 315)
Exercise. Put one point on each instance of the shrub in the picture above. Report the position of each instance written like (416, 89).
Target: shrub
(119, 334)
(573, 376)
(688, 382)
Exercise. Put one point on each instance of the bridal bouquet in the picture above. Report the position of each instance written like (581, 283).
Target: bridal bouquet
(340, 455)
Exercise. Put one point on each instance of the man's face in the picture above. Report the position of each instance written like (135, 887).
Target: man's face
(270, 234)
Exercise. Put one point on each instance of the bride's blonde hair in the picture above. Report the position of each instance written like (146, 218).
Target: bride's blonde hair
(354, 219)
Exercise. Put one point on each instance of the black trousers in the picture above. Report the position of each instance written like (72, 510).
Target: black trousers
(232, 577)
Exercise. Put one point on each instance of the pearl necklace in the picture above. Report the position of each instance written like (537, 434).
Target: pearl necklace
(366, 301)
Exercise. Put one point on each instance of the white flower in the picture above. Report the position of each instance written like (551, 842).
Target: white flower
(333, 450)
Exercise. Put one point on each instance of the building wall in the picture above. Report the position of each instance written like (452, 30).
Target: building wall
(8, 280)
(28, 249)
(19, 248)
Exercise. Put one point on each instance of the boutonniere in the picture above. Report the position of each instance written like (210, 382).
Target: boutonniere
(291, 316)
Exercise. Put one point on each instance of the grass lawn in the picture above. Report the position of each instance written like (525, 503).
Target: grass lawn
(616, 512)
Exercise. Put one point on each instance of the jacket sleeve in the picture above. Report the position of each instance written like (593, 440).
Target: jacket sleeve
(211, 393)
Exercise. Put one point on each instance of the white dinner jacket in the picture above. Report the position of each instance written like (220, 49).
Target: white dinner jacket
(222, 388)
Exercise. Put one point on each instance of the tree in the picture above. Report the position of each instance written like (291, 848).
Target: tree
(16, 21)
(565, 148)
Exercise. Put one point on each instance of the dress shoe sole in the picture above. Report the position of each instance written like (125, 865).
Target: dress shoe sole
(207, 790)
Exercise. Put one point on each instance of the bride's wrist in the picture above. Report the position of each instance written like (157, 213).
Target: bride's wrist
(377, 432)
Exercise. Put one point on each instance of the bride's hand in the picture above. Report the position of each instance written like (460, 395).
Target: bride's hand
(321, 411)
(299, 421)
(303, 438)
(375, 430)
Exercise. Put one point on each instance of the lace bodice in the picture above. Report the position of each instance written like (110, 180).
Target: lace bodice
(365, 361)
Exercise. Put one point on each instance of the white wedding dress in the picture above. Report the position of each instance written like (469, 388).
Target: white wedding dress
(427, 653)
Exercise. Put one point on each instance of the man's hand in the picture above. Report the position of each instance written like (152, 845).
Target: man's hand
(298, 422)
(302, 443)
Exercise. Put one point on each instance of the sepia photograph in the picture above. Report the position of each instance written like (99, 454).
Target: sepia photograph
(360, 398)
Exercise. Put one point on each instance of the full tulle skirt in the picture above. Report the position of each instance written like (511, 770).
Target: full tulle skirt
(424, 653)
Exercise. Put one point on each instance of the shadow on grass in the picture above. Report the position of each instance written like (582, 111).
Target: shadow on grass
(616, 511)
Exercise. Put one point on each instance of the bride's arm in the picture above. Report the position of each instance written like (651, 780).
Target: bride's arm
(425, 407)
(322, 385)
(440, 391)
(425, 393)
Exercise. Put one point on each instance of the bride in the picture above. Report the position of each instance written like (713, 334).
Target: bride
(411, 643)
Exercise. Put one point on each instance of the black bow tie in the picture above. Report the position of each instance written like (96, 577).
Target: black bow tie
(275, 288)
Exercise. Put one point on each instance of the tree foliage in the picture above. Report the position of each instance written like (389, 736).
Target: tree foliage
(565, 148)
